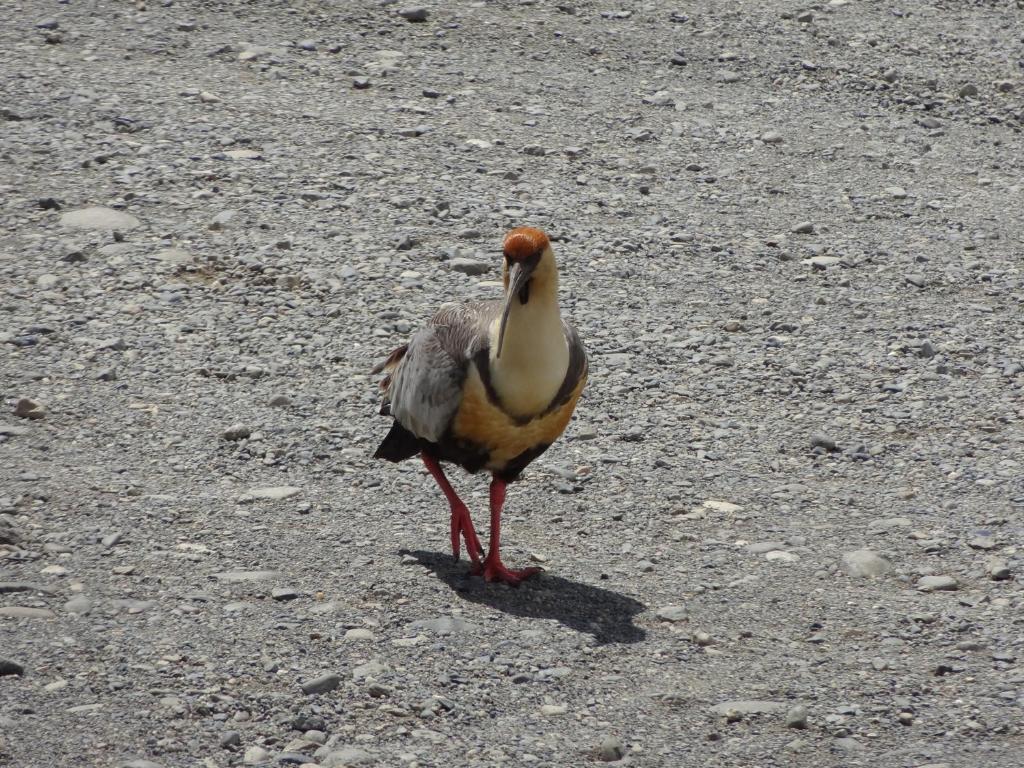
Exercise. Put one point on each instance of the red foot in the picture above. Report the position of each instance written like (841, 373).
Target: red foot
(462, 526)
(492, 569)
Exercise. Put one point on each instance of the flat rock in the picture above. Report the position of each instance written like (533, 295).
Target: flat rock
(445, 625)
(863, 563)
(21, 612)
(275, 493)
(349, 756)
(238, 577)
(99, 217)
(672, 613)
(937, 584)
(322, 684)
(469, 266)
(748, 707)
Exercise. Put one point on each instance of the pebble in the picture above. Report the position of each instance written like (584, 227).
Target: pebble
(445, 625)
(358, 634)
(372, 669)
(469, 266)
(672, 613)
(322, 684)
(610, 750)
(796, 717)
(255, 756)
(821, 440)
(899, 193)
(748, 707)
(275, 493)
(99, 217)
(284, 594)
(349, 757)
(238, 577)
(10, 667)
(21, 612)
(79, 605)
(236, 432)
(998, 569)
(937, 584)
(771, 137)
(27, 408)
(553, 710)
(804, 228)
(230, 739)
(982, 541)
(414, 13)
(864, 563)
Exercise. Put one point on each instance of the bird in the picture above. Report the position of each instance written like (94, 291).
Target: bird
(487, 386)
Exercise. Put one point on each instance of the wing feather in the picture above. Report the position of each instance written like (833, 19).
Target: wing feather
(425, 386)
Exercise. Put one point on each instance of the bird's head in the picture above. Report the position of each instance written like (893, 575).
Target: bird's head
(529, 268)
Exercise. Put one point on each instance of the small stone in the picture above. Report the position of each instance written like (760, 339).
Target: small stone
(804, 228)
(968, 91)
(361, 83)
(748, 707)
(243, 154)
(998, 569)
(937, 584)
(230, 739)
(890, 75)
(10, 667)
(916, 280)
(26, 408)
(372, 669)
(863, 563)
(553, 710)
(321, 684)
(255, 756)
(284, 594)
(806, 17)
(236, 432)
(771, 137)
(79, 605)
(610, 750)
(275, 493)
(99, 217)
(821, 440)
(445, 625)
(414, 13)
(469, 266)
(822, 262)
(358, 634)
(899, 193)
(982, 541)
(306, 45)
(796, 717)
(222, 219)
(21, 612)
(349, 757)
(240, 577)
(672, 613)
(208, 98)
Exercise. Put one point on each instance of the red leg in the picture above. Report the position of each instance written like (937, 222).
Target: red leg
(461, 522)
(492, 568)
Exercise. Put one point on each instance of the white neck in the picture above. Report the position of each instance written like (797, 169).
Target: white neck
(534, 355)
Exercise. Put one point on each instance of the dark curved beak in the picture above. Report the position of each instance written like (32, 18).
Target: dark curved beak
(518, 277)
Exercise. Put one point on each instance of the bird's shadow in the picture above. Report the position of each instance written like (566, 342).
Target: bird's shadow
(606, 615)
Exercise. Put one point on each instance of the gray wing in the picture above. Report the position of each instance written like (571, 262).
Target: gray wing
(426, 386)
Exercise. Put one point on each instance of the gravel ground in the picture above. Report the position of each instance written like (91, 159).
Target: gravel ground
(785, 526)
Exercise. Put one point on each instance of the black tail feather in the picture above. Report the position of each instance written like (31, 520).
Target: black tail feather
(399, 445)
